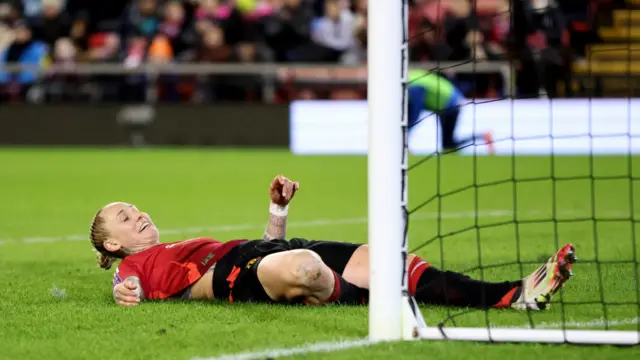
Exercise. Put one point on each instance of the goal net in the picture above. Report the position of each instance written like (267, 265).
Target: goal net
(564, 172)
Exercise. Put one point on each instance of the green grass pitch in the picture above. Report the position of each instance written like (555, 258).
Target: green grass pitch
(56, 304)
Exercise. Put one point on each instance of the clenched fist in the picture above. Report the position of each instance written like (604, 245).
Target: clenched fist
(282, 190)
(126, 293)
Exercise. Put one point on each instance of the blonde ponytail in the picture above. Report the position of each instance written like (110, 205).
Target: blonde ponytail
(106, 261)
(98, 235)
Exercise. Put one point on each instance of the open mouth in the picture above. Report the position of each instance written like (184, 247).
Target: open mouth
(144, 226)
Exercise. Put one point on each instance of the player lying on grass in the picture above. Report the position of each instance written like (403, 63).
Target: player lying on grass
(278, 271)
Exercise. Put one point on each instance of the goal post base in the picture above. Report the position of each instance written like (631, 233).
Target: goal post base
(415, 328)
(412, 319)
(517, 335)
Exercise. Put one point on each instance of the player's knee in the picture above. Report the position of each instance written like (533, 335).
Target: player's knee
(309, 274)
(309, 268)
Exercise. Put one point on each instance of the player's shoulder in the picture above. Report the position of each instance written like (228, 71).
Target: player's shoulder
(127, 263)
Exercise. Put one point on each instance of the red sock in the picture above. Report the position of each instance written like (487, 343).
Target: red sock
(416, 268)
(335, 295)
(347, 293)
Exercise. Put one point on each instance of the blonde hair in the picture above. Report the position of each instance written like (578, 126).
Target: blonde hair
(98, 235)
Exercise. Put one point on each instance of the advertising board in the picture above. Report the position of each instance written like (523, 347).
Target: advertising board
(522, 127)
(216, 125)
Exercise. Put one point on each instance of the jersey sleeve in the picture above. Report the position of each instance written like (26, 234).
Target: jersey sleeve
(123, 271)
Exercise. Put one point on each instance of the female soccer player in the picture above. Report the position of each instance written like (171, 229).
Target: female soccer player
(278, 271)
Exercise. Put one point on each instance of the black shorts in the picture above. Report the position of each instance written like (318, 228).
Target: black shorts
(235, 277)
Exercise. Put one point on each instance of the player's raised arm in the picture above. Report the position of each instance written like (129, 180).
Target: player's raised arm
(129, 292)
(281, 192)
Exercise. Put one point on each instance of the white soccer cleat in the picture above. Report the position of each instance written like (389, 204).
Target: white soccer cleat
(539, 287)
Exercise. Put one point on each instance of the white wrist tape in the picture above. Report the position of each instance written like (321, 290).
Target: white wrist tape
(277, 210)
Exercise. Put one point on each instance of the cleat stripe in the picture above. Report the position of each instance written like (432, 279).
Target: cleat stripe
(541, 277)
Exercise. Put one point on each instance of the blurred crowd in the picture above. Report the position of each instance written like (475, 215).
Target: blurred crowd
(533, 34)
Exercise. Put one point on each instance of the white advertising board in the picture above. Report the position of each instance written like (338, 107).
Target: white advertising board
(521, 127)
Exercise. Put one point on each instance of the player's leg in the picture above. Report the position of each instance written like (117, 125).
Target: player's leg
(430, 285)
(433, 286)
(300, 274)
(426, 283)
(352, 262)
(448, 123)
(281, 271)
(295, 274)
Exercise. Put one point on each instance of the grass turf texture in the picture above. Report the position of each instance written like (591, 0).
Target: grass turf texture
(48, 193)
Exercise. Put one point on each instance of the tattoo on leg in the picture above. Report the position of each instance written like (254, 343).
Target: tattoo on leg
(313, 273)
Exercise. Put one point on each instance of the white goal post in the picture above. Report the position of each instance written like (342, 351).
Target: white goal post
(390, 316)
(393, 315)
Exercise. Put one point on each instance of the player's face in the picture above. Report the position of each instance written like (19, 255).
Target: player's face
(129, 228)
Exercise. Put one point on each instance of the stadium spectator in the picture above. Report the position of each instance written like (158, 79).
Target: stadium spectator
(357, 53)
(98, 17)
(288, 32)
(141, 19)
(424, 45)
(51, 23)
(9, 10)
(333, 33)
(551, 44)
(6, 37)
(212, 47)
(257, 9)
(103, 47)
(34, 9)
(531, 34)
(59, 86)
(23, 50)
(245, 86)
(176, 30)
(229, 17)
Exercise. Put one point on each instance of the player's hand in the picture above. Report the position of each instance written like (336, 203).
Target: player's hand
(126, 293)
(282, 190)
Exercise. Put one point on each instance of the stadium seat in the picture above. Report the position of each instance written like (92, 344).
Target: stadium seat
(619, 34)
(614, 51)
(623, 17)
(620, 67)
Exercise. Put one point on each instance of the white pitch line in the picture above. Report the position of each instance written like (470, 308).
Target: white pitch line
(356, 343)
(312, 223)
(283, 352)
(293, 224)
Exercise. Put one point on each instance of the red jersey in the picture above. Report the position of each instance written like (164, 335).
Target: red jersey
(166, 269)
